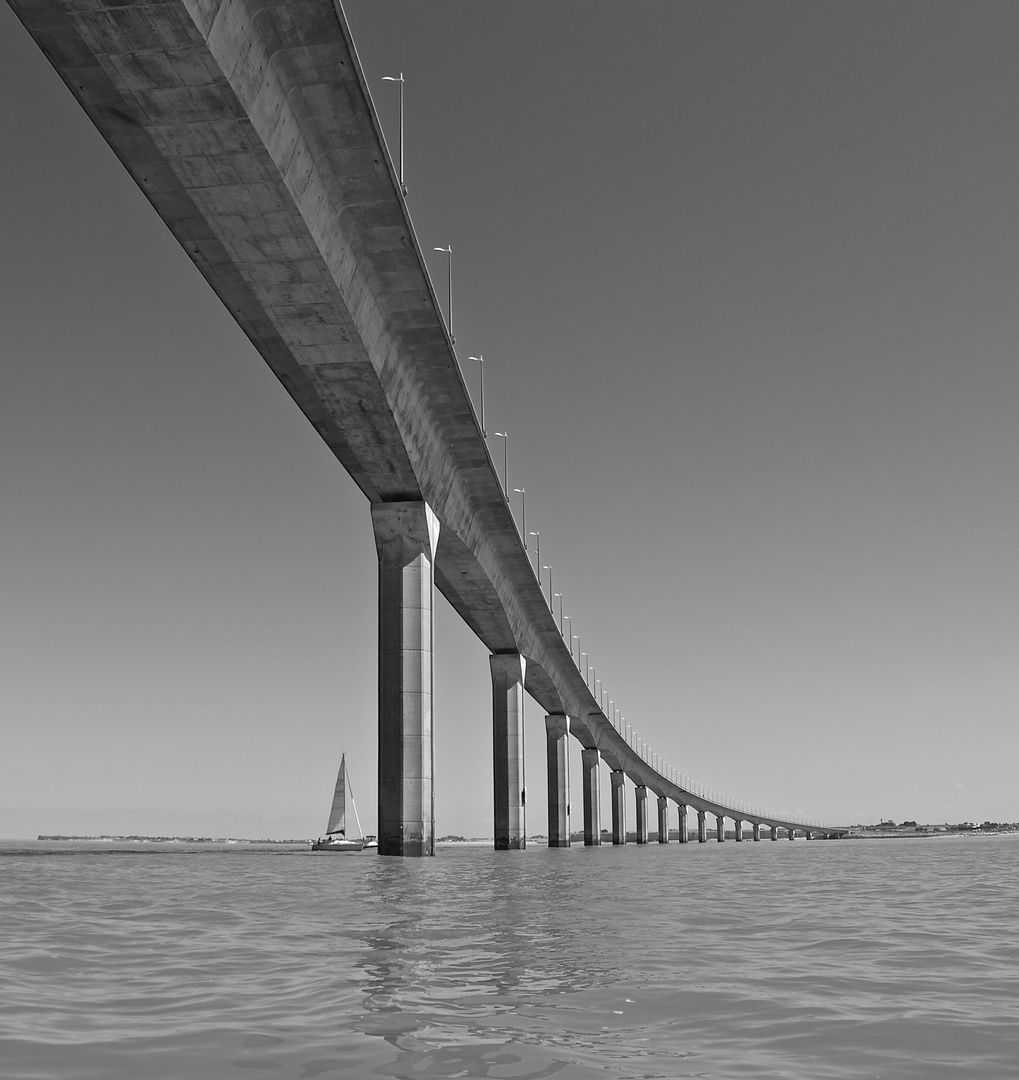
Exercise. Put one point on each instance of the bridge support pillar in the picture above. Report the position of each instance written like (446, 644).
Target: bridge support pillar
(791, 833)
(663, 820)
(617, 776)
(720, 828)
(774, 832)
(592, 798)
(808, 835)
(683, 835)
(739, 830)
(557, 744)
(508, 750)
(642, 830)
(406, 534)
(757, 830)
(702, 827)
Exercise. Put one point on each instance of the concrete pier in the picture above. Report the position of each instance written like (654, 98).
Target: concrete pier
(702, 827)
(684, 836)
(617, 777)
(406, 534)
(757, 831)
(663, 820)
(739, 830)
(791, 833)
(720, 828)
(508, 751)
(641, 798)
(592, 798)
(557, 745)
(774, 832)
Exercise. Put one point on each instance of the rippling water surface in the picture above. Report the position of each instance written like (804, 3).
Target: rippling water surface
(808, 960)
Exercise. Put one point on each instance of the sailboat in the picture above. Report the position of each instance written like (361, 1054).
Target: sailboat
(336, 838)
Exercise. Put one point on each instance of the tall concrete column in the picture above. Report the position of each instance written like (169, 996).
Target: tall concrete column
(683, 835)
(702, 827)
(774, 832)
(641, 794)
(809, 835)
(557, 744)
(663, 820)
(617, 776)
(757, 830)
(720, 828)
(791, 833)
(406, 534)
(739, 830)
(592, 798)
(508, 750)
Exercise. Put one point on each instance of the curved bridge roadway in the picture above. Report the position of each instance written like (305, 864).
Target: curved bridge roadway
(250, 129)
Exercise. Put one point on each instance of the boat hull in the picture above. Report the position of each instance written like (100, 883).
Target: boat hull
(338, 847)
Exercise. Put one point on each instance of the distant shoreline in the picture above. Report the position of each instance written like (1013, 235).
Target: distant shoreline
(120, 839)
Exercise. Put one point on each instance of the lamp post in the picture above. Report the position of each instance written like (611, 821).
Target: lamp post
(391, 78)
(480, 361)
(537, 553)
(587, 670)
(505, 462)
(550, 606)
(568, 638)
(576, 638)
(560, 595)
(523, 514)
(449, 291)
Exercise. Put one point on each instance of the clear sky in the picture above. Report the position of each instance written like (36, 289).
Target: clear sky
(745, 280)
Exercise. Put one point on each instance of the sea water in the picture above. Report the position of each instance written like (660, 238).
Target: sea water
(850, 959)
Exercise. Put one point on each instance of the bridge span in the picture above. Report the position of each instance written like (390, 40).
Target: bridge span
(250, 129)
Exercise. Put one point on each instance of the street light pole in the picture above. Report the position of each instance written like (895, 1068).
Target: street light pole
(390, 78)
(523, 515)
(480, 360)
(537, 553)
(449, 291)
(505, 462)
(550, 604)
(560, 595)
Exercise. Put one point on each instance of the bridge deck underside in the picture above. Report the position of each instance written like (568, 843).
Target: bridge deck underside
(249, 128)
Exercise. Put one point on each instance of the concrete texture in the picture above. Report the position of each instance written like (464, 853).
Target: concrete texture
(720, 828)
(557, 742)
(405, 539)
(663, 820)
(510, 797)
(592, 797)
(640, 798)
(702, 827)
(684, 835)
(618, 795)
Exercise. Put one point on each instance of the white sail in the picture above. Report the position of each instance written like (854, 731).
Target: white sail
(338, 813)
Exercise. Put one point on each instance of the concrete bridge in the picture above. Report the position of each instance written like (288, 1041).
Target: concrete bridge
(250, 129)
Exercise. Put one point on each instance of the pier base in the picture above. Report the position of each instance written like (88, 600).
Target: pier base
(641, 799)
(617, 777)
(508, 751)
(557, 744)
(406, 534)
(592, 798)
